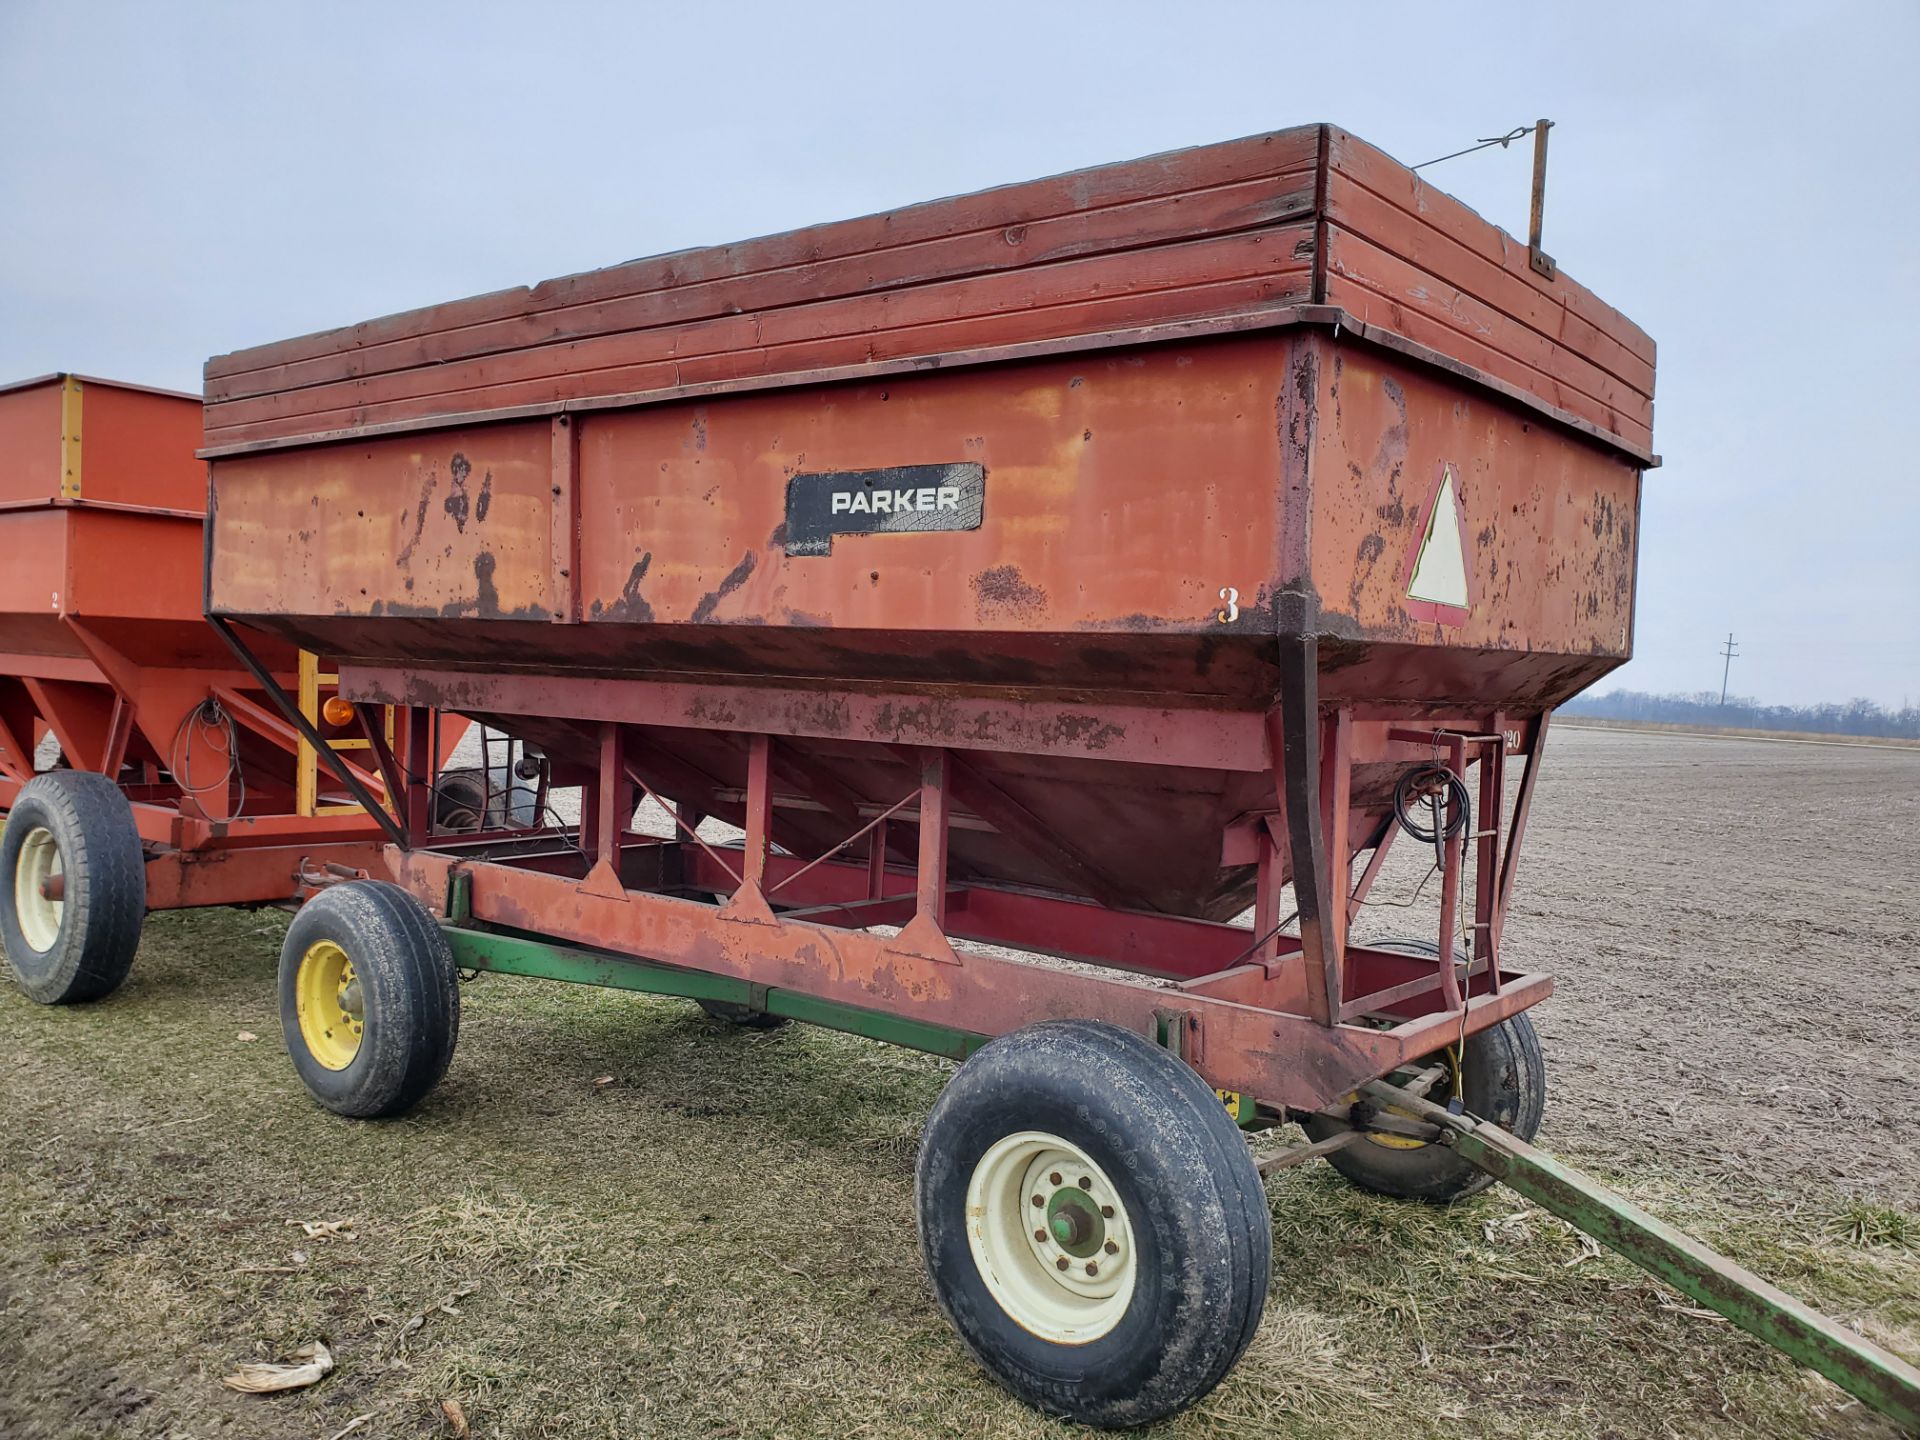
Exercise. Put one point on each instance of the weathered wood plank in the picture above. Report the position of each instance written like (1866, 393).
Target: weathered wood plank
(1409, 287)
(1281, 288)
(1386, 177)
(1191, 215)
(1204, 235)
(1275, 153)
(1017, 298)
(1359, 211)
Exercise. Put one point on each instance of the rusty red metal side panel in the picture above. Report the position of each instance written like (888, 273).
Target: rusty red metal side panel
(1406, 462)
(446, 526)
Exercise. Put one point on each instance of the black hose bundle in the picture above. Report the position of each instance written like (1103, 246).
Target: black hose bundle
(1448, 804)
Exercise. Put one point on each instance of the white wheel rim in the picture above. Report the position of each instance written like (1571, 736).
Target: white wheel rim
(39, 917)
(1019, 1245)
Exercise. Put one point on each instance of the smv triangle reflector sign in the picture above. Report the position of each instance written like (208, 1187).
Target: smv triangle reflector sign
(1440, 568)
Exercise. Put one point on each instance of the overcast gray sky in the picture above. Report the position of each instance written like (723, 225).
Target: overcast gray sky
(1744, 181)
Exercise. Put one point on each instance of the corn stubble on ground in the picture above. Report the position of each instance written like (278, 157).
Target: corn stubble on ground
(718, 1241)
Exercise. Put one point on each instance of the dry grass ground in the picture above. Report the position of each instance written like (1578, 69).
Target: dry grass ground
(720, 1241)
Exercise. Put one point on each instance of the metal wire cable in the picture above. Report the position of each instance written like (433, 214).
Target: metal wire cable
(207, 718)
(1503, 141)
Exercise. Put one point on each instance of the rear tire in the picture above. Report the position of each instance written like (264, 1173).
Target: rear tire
(369, 999)
(77, 825)
(1503, 1078)
(1133, 1284)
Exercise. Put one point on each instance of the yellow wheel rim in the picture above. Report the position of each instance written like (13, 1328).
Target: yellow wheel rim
(332, 1013)
(1451, 1059)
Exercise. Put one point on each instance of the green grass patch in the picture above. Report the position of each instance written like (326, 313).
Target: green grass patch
(718, 1241)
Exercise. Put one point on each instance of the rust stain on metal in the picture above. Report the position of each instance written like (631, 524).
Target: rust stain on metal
(457, 502)
(1000, 591)
(427, 483)
(734, 579)
(631, 605)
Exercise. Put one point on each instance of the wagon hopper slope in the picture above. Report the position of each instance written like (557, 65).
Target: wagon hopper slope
(1068, 477)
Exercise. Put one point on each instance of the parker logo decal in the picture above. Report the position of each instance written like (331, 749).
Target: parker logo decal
(902, 499)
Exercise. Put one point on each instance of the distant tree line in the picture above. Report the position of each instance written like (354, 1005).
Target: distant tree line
(1854, 717)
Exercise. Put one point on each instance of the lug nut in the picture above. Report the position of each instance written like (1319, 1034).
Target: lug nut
(1061, 1263)
(1112, 1249)
(1092, 1268)
(1041, 1236)
(1054, 1179)
(1086, 1182)
(1107, 1210)
(1038, 1200)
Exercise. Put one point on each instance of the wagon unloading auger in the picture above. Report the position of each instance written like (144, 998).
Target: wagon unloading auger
(1058, 571)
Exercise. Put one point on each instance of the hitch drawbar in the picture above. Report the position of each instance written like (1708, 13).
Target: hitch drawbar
(1852, 1362)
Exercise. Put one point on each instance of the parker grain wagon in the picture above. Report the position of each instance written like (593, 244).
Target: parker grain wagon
(1067, 567)
(176, 783)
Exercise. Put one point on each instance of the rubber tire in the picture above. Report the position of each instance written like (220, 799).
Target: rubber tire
(1503, 1079)
(1203, 1233)
(741, 1017)
(411, 995)
(106, 887)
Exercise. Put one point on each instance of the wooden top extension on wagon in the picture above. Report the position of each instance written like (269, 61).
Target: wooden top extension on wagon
(1303, 226)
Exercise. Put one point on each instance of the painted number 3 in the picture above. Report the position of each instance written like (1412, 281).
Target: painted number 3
(1232, 612)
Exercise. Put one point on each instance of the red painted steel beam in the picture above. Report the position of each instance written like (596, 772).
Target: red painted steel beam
(1285, 1059)
(1198, 739)
(1522, 807)
(565, 582)
(1294, 733)
(16, 734)
(936, 774)
(185, 880)
(1454, 850)
(760, 811)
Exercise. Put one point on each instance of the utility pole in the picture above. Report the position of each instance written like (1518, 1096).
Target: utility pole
(1729, 650)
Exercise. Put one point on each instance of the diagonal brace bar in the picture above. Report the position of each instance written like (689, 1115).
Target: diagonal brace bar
(328, 755)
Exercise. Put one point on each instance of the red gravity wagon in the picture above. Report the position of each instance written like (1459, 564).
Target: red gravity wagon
(176, 782)
(1070, 567)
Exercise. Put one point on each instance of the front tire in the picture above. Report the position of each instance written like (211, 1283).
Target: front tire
(1502, 1077)
(1093, 1223)
(76, 825)
(369, 999)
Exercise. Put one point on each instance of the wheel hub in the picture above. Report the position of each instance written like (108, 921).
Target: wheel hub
(330, 1004)
(1051, 1237)
(39, 917)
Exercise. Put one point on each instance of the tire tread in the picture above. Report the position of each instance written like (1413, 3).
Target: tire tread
(383, 928)
(106, 875)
